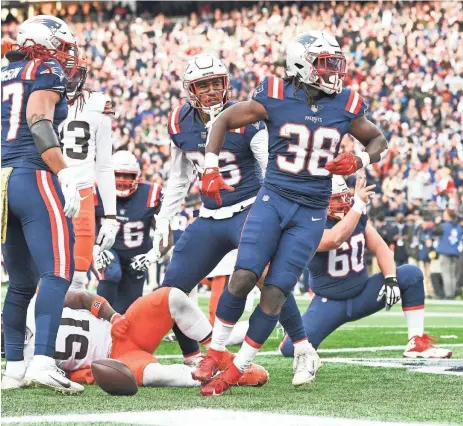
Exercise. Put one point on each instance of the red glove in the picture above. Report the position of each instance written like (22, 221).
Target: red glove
(120, 326)
(213, 183)
(344, 164)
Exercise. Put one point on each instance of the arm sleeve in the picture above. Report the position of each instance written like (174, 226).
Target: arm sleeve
(181, 175)
(259, 147)
(104, 166)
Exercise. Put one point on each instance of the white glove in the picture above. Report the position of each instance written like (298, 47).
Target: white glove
(107, 234)
(161, 233)
(102, 259)
(70, 193)
(391, 291)
(142, 262)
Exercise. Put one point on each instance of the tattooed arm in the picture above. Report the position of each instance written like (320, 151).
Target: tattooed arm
(40, 112)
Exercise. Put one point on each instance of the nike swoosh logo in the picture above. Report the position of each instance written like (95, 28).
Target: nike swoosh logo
(83, 198)
(316, 219)
(138, 277)
(66, 385)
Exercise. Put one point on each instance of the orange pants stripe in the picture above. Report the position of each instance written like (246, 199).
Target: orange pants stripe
(84, 230)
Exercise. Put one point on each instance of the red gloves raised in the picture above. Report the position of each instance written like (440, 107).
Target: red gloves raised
(212, 183)
(344, 164)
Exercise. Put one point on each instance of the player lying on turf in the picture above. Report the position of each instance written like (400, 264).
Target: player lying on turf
(345, 293)
(91, 330)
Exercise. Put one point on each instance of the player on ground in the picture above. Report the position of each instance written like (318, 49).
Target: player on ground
(95, 331)
(307, 114)
(339, 278)
(87, 147)
(217, 230)
(137, 203)
(37, 234)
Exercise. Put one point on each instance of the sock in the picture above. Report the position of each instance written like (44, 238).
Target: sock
(238, 334)
(415, 322)
(78, 281)
(291, 320)
(14, 320)
(48, 310)
(229, 311)
(193, 295)
(158, 375)
(188, 317)
(188, 346)
(261, 326)
(15, 368)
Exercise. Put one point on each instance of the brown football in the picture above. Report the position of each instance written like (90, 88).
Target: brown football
(114, 377)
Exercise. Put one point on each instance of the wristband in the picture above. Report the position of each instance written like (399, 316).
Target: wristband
(211, 160)
(359, 205)
(365, 158)
(97, 304)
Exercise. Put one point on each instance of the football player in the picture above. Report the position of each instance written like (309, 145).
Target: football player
(91, 330)
(86, 142)
(343, 290)
(217, 230)
(137, 203)
(307, 114)
(39, 196)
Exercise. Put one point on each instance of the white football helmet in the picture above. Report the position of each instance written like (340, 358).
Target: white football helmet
(52, 33)
(127, 172)
(340, 200)
(316, 59)
(205, 67)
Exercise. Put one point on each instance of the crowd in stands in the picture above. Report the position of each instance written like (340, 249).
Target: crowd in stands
(405, 59)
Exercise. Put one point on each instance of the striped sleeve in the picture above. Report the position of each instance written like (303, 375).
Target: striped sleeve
(270, 92)
(154, 196)
(355, 106)
(174, 121)
(47, 75)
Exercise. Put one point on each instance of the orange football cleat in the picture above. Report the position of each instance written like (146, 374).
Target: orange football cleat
(255, 375)
(222, 382)
(213, 362)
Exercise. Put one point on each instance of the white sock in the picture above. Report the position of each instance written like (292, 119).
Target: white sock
(301, 346)
(189, 318)
(15, 368)
(238, 334)
(78, 281)
(415, 322)
(220, 334)
(245, 356)
(194, 295)
(158, 375)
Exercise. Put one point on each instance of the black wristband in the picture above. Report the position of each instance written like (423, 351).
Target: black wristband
(44, 135)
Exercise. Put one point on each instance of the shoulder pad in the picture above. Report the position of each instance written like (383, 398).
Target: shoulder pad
(352, 101)
(270, 87)
(154, 195)
(175, 117)
(31, 68)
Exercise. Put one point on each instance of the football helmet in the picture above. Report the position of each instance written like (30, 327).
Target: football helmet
(53, 34)
(76, 83)
(127, 172)
(315, 58)
(201, 68)
(340, 200)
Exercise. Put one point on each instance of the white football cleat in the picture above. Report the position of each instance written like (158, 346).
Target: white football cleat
(421, 347)
(51, 377)
(305, 366)
(11, 382)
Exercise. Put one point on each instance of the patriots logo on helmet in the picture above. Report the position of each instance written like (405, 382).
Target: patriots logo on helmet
(50, 23)
(307, 40)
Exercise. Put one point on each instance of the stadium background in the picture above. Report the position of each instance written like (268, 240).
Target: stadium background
(406, 60)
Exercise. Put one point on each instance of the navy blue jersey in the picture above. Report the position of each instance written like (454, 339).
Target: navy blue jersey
(237, 164)
(135, 216)
(341, 273)
(303, 138)
(19, 80)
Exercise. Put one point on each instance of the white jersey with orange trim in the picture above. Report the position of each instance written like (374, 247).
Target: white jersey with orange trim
(82, 338)
(86, 142)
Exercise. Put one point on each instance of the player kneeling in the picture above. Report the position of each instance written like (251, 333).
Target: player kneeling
(99, 332)
(339, 278)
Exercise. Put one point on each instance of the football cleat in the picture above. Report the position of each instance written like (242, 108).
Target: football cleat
(255, 375)
(305, 366)
(212, 363)
(10, 382)
(421, 347)
(51, 377)
(222, 382)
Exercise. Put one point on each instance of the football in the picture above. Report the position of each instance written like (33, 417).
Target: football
(114, 377)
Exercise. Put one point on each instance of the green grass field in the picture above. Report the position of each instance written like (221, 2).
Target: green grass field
(391, 391)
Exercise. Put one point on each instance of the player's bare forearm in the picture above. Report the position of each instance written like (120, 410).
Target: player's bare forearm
(234, 117)
(83, 300)
(381, 250)
(53, 158)
(370, 136)
(334, 238)
(376, 147)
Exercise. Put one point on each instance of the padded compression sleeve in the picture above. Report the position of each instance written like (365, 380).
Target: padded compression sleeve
(44, 135)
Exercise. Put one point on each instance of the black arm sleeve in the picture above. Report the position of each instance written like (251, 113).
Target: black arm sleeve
(44, 135)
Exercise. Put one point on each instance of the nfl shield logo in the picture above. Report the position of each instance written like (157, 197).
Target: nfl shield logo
(203, 135)
(122, 211)
(314, 108)
(265, 198)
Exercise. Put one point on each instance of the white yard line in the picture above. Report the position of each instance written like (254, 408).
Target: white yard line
(203, 417)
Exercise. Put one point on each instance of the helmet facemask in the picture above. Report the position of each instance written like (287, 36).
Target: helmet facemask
(209, 94)
(66, 54)
(328, 72)
(126, 182)
(339, 206)
(76, 83)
